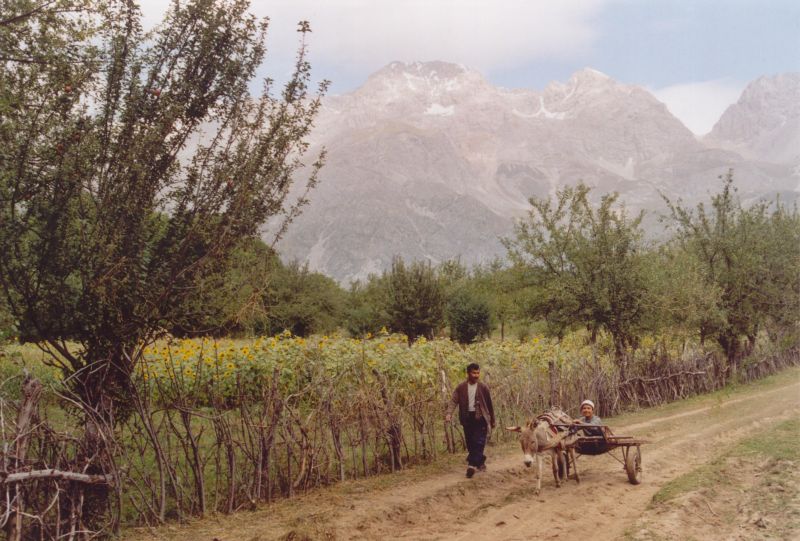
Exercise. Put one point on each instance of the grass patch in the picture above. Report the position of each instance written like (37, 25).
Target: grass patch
(779, 444)
(708, 475)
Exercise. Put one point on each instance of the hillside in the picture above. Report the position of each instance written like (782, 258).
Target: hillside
(430, 161)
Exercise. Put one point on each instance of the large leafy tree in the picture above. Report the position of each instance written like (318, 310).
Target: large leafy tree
(364, 309)
(131, 167)
(584, 263)
(258, 294)
(501, 290)
(301, 301)
(467, 310)
(751, 256)
(414, 299)
(468, 315)
(681, 300)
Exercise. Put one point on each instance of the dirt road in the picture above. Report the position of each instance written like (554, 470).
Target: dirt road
(501, 503)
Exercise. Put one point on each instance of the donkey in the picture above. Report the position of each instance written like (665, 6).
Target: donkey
(539, 437)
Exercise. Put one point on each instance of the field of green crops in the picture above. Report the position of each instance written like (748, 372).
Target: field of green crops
(232, 367)
(229, 367)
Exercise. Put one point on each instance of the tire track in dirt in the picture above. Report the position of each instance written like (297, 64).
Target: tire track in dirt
(501, 504)
(698, 411)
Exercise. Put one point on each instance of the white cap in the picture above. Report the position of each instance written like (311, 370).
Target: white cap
(587, 402)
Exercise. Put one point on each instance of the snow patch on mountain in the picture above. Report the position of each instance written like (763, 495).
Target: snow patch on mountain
(436, 109)
(543, 112)
(420, 210)
(626, 170)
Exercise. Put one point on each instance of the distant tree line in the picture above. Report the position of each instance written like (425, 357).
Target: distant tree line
(726, 274)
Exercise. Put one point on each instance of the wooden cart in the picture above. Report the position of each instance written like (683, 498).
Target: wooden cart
(624, 449)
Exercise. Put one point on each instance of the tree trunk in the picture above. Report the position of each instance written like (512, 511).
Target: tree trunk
(96, 440)
(620, 357)
(31, 392)
(730, 344)
(596, 373)
(551, 368)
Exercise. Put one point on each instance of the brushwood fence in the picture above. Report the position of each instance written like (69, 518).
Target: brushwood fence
(217, 427)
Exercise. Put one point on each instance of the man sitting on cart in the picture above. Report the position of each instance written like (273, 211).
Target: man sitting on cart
(589, 443)
(589, 418)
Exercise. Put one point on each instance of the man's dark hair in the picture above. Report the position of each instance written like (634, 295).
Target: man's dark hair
(473, 366)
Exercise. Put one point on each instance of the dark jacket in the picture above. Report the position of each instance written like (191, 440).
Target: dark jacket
(483, 403)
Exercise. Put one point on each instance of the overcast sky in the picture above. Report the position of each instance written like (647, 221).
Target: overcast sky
(695, 56)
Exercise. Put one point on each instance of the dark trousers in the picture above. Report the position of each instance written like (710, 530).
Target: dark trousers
(475, 431)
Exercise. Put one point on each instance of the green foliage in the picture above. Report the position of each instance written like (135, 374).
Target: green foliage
(8, 325)
(17, 360)
(682, 302)
(365, 312)
(111, 227)
(468, 316)
(452, 274)
(229, 300)
(414, 299)
(501, 288)
(750, 256)
(302, 302)
(258, 294)
(584, 265)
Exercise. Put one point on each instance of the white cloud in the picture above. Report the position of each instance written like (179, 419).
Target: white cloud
(700, 104)
(360, 36)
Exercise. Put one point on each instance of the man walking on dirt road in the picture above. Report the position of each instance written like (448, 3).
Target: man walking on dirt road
(476, 414)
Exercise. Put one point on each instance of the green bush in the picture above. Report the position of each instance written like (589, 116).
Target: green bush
(468, 315)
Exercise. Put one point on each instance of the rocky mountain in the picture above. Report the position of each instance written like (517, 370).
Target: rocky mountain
(430, 161)
(765, 123)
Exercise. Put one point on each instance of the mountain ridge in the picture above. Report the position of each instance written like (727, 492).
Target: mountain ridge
(431, 161)
(755, 127)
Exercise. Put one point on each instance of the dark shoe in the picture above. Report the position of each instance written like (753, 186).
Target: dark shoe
(470, 471)
(482, 467)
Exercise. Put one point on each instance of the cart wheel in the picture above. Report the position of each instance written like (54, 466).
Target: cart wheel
(633, 465)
